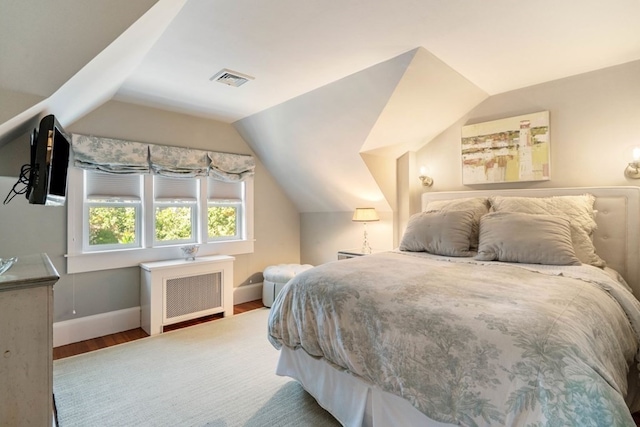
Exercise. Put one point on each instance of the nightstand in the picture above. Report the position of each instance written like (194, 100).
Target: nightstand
(352, 253)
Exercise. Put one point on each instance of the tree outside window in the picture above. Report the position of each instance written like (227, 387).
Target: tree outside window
(112, 225)
(173, 223)
(222, 221)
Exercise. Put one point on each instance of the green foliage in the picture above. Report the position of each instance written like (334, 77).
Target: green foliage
(173, 223)
(221, 221)
(117, 225)
(112, 225)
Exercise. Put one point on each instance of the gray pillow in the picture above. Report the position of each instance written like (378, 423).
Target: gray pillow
(440, 233)
(578, 209)
(526, 238)
(478, 205)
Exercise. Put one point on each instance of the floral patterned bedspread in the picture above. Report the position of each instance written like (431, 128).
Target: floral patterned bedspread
(471, 343)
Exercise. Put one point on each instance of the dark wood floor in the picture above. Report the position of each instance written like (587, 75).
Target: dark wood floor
(134, 334)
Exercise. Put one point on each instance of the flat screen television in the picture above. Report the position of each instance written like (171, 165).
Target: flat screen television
(47, 183)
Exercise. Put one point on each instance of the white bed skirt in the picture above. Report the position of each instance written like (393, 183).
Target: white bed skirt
(353, 402)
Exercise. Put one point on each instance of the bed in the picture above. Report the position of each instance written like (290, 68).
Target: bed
(519, 313)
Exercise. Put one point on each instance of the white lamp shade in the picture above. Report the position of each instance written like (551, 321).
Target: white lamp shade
(365, 215)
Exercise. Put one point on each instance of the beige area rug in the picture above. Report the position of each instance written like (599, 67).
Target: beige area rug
(218, 374)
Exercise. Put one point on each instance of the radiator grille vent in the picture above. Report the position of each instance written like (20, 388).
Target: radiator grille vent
(186, 295)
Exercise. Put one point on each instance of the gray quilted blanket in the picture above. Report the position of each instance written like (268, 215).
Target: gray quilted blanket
(471, 343)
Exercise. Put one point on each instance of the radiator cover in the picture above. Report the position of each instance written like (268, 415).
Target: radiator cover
(178, 290)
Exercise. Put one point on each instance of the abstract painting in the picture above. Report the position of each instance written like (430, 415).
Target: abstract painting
(514, 149)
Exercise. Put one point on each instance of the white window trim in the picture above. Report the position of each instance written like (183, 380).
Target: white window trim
(80, 262)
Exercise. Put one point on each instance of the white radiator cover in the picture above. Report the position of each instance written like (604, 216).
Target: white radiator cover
(178, 290)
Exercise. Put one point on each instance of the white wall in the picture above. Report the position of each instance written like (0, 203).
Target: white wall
(594, 124)
(28, 228)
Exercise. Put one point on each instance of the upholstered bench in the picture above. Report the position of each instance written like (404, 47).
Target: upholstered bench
(276, 276)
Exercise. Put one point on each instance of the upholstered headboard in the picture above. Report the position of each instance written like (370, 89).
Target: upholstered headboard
(617, 238)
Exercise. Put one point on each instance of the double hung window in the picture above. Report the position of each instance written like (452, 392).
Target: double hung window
(119, 220)
(112, 211)
(175, 206)
(225, 207)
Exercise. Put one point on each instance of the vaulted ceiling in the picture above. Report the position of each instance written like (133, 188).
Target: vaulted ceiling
(334, 83)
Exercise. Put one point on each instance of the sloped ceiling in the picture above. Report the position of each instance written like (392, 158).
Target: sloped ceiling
(293, 47)
(311, 144)
(44, 43)
(316, 145)
(93, 84)
(428, 99)
(303, 112)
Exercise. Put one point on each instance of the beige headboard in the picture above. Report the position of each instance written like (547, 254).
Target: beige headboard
(617, 239)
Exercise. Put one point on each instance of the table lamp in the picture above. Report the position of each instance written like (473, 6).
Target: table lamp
(365, 215)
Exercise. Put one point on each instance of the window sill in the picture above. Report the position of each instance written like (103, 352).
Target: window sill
(94, 261)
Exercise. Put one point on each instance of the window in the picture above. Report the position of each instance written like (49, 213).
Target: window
(174, 223)
(222, 220)
(117, 221)
(224, 210)
(174, 210)
(112, 212)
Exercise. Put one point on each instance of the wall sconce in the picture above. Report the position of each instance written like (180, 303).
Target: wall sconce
(633, 169)
(365, 215)
(426, 180)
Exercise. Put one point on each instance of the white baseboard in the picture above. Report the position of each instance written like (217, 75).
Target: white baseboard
(247, 293)
(99, 325)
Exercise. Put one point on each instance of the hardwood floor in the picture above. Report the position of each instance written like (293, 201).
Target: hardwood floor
(134, 334)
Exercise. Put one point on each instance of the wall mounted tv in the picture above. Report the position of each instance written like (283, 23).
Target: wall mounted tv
(47, 183)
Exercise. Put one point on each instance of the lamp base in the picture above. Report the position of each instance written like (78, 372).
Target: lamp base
(366, 249)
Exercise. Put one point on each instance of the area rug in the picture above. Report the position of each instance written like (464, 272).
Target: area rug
(218, 374)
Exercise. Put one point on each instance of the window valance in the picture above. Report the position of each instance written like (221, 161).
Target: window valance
(177, 161)
(231, 167)
(126, 157)
(110, 155)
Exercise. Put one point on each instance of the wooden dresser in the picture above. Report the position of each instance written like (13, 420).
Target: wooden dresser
(26, 342)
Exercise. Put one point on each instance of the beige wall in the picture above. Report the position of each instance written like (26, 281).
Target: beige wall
(594, 124)
(11, 104)
(324, 234)
(28, 228)
(409, 186)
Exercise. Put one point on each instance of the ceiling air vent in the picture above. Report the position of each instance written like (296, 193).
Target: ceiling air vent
(231, 78)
